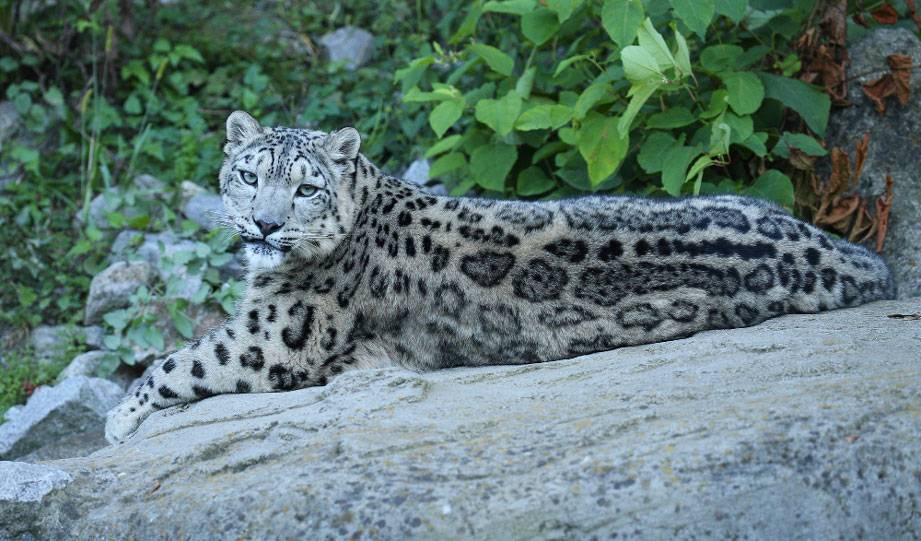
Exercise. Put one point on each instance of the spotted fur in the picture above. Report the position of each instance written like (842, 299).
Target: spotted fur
(362, 269)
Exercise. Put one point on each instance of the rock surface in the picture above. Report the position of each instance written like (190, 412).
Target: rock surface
(349, 44)
(85, 364)
(204, 209)
(75, 406)
(803, 427)
(52, 341)
(112, 288)
(895, 144)
(23, 487)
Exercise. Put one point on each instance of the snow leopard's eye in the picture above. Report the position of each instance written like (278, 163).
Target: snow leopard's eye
(248, 177)
(306, 190)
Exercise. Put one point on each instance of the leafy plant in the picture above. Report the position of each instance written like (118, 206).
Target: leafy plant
(654, 97)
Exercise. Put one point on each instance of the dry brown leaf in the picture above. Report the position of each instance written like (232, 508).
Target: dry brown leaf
(860, 157)
(886, 14)
(842, 210)
(895, 83)
(913, 13)
(840, 172)
(822, 50)
(883, 206)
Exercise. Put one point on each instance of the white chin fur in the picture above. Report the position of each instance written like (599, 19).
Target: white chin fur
(260, 257)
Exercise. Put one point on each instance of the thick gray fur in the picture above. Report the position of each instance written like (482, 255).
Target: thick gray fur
(362, 269)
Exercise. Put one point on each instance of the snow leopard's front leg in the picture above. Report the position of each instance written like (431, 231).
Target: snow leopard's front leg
(226, 360)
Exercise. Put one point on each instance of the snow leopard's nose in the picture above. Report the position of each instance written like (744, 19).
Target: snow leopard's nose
(267, 228)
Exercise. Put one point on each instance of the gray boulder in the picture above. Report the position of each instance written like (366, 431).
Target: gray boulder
(205, 209)
(417, 172)
(85, 364)
(149, 183)
(75, 406)
(50, 342)
(894, 147)
(803, 427)
(24, 489)
(161, 251)
(9, 125)
(100, 208)
(349, 44)
(112, 288)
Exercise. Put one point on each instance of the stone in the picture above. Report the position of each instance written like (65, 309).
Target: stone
(101, 206)
(112, 288)
(204, 317)
(85, 364)
(149, 183)
(188, 190)
(124, 242)
(417, 172)
(160, 249)
(802, 427)
(893, 147)
(24, 490)
(74, 406)
(205, 209)
(50, 342)
(9, 122)
(349, 44)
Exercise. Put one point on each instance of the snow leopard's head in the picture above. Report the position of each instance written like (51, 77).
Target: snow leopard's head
(287, 191)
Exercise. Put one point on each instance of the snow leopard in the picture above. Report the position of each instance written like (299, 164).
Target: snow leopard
(351, 268)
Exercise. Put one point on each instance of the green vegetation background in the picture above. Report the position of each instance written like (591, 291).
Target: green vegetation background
(513, 98)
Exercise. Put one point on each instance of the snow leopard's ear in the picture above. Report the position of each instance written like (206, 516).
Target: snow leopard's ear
(241, 127)
(343, 145)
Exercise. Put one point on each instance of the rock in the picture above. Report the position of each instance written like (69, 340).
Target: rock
(149, 183)
(50, 342)
(24, 489)
(11, 413)
(204, 318)
(123, 244)
(893, 149)
(205, 209)
(9, 122)
(85, 364)
(160, 250)
(74, 406)
(803, 427)
(112, 288)
(188, 190)
(9, 126)
(349, 44)
(417, 172)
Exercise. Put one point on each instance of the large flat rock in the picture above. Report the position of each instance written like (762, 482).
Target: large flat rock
(804, 427)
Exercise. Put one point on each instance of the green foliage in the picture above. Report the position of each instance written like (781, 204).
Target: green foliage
(656, 97)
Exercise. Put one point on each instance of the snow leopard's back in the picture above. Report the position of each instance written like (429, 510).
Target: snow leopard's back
(509, 281)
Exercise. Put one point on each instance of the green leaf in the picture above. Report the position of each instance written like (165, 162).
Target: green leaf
(734, 9)
(602, 147)
(568, 62)
(653, 150)
(589, 97)
(491, 163)
(773, 186)
(621, 19)
(539, 25)
(564, 8)
(651, 40)
(638, 96)
(720, 58)
(696, 14)
(682, 56)
(132, 105)
(543, 117)
(674, 167)
(445, 115)
(526, 83)
(640, 66)
(468, 25)
(497, 60)
(799, 141)
(755, 143)
(446, 164)
(53, 97)
(446, 144)
(513, 7)
(675, 117)
(183, 323)
(533, 181)
(500, 115)
(810, 103)
(745, 91)
(409, 76)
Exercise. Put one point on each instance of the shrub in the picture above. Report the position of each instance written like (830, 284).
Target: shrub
(654, 97)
